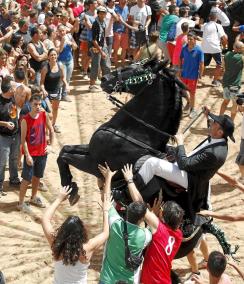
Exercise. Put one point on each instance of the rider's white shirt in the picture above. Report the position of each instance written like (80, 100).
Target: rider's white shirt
(205, 144)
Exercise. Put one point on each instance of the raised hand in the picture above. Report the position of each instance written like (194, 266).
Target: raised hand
(64, 193)
(127, 172)
(106, 172)
(156, 208)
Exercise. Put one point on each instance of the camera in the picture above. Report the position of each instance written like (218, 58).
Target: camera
(240, 99)
(140, 27)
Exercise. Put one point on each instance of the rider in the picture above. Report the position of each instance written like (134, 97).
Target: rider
(193, 171)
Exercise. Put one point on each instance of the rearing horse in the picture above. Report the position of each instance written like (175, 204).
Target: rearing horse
(124, 138)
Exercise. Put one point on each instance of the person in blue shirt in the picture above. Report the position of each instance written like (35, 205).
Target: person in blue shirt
(192, 66)
(238, 28)
(120, 32)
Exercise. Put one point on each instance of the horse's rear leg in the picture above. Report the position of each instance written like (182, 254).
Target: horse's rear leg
(78, 157)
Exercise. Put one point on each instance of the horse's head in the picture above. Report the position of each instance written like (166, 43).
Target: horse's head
(123, 80)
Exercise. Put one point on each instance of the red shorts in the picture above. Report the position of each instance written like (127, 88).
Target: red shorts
(120, 40)
(191, 85)
(84, 46)
(171, 48)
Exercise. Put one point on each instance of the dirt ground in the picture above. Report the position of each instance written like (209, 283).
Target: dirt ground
(24, 253)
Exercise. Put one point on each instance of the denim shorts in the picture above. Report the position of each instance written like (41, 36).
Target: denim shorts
(138, 39)
(37, 169)
(55, 96)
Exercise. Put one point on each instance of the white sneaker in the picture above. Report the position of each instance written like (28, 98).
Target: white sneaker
(186, 108)
(98, 82)
(85, 76)
(193, 113)
(24, 208)
(37, 202)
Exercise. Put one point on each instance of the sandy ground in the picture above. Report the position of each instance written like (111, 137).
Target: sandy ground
(24, 253)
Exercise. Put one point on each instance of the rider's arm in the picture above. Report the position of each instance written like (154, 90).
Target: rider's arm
(198, 162)
(150, 218)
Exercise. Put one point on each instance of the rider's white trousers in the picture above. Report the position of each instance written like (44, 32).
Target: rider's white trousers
(163, 168)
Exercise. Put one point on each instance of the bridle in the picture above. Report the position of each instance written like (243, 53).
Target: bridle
(148, 77)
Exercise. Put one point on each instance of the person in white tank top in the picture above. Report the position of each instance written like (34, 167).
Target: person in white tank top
(70, 246)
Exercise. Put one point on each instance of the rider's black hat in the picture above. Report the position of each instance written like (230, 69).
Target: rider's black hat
(226, 124)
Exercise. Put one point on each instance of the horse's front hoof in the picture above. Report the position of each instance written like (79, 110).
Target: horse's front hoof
(74, 200)
(74, 196)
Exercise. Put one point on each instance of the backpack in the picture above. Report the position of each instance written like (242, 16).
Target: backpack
(172, 32)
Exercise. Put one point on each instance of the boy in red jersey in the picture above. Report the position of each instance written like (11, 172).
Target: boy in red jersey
(34, 143)
(166, 237)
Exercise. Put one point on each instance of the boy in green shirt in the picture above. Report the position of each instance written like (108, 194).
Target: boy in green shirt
(232, 77)
(114, 268)
(166, 24)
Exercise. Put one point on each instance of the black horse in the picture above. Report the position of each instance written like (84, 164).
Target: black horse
(141, 127)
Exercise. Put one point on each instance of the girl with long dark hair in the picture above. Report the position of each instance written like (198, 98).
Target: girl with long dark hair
(71, 248)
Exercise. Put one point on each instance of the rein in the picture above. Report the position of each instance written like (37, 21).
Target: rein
(119, 104)
(137, 142)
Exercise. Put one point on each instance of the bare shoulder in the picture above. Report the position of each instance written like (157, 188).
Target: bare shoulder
(225, 279)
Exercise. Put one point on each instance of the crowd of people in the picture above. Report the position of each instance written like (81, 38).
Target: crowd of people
(42, 42)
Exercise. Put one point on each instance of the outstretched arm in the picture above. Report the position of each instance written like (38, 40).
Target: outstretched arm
(126, 24)
(48, 214)
(232, 181)
(226, 217)
(151, 219)
(100, 239)
(240, 272)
